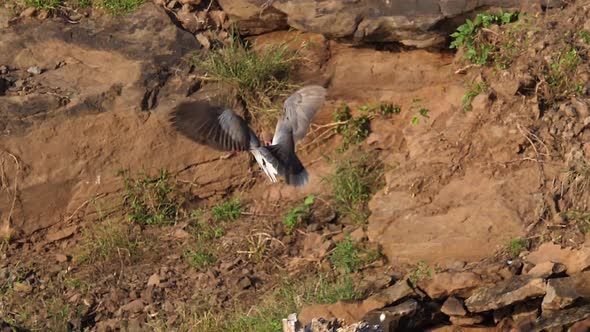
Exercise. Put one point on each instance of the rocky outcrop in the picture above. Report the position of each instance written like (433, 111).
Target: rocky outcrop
(412, 23)
(520, 302)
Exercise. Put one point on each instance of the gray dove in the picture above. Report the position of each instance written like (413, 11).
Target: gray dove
(222, 129)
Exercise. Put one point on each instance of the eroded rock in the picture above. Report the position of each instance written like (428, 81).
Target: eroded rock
(505, 293)
(418, 24)
(450, 283)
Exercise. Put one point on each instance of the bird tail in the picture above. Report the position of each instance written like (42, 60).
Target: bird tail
(285, 162)
(265, 164)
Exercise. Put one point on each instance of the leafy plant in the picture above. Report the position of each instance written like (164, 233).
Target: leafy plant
(150, 200)
(560, 73)
(105, 240)
(227, 211)
(202, 229)
(346, 256)
(200, 258)
(292, 219)
(353, 130)
(466, 36)
(420, 272)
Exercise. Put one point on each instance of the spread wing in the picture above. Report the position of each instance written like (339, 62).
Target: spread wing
(299, 110)
(214, 126)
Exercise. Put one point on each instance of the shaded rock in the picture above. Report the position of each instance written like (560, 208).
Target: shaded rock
(581, 326)
(546, 270)
(450, 283)
(562, 292)
(453, 307)
(406, 315)
(525, 314)
(245, 282)
(466, 320)
(559, 319)
(4, 85)
(505, 293)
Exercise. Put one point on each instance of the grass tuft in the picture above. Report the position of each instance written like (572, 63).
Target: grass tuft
(227, 211)
(258, 77)
(353, 183)
(105, 240)
(150, 200)
(517, 245)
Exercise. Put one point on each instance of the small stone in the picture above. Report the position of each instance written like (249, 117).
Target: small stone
(180, 234)
(28, 12)
(61, 258)
(133, 306)
(19, 84)
(44, 14)
(21, 287)
(453, 307)
(467, 320)
(61, 234)
(34, 70)
(562, 292)
(3, 69)
(358, 235)
(154, 280)
(245, 282)
(505, 293)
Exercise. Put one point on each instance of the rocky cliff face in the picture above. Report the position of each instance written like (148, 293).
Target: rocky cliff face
(412, 23)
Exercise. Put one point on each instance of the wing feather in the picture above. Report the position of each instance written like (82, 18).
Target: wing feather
(217, 127)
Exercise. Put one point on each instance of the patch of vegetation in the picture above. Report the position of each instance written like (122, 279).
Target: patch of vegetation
(258, 77)
(469, 36)
(200, 258)
(118, 7)
(293, 217)
(420, 272)
(290, 298)
(585, 36)
(422, 112)
(474, 90)
(580, 218)
(353, 183)
(349, 257)
(151, 200)
(517, 245)
(227, 211)
(560, 75)
(202, 229)
(355, 130)
(105, 240)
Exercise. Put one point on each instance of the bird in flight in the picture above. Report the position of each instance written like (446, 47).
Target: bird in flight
(222, 129)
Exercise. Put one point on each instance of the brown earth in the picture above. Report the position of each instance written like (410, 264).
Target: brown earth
(458, 185)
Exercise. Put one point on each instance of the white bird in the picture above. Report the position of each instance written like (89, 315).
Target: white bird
(222, 129)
